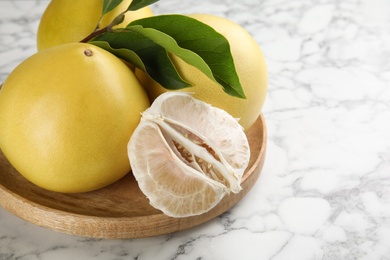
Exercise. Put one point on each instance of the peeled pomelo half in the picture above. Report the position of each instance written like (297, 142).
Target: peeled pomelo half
(187, 155)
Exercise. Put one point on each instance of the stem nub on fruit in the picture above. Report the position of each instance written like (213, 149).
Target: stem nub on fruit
(88, 53)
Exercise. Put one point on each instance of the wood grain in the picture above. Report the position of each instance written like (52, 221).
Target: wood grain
(118, 211)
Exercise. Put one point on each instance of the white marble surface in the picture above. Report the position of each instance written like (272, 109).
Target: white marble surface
(324, 192)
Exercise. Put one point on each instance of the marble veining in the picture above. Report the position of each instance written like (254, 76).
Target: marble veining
(324, 192)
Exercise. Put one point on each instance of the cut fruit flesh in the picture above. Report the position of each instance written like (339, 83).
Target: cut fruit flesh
(187, 155)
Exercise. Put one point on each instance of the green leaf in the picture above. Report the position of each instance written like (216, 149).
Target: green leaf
(108, 5)
(203, 40)
(125, 54)
(144, 54)
(138, 4)
(170, 45)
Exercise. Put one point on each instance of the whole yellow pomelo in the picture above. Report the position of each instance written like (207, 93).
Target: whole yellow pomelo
(67, 114)
(66, 21)
(250, 66)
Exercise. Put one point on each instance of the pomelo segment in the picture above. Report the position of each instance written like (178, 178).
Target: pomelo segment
(187, 155)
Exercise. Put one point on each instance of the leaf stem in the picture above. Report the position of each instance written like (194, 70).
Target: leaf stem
(117, 20)
(96, 33)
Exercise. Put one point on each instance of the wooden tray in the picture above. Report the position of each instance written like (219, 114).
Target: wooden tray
(118, 211)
